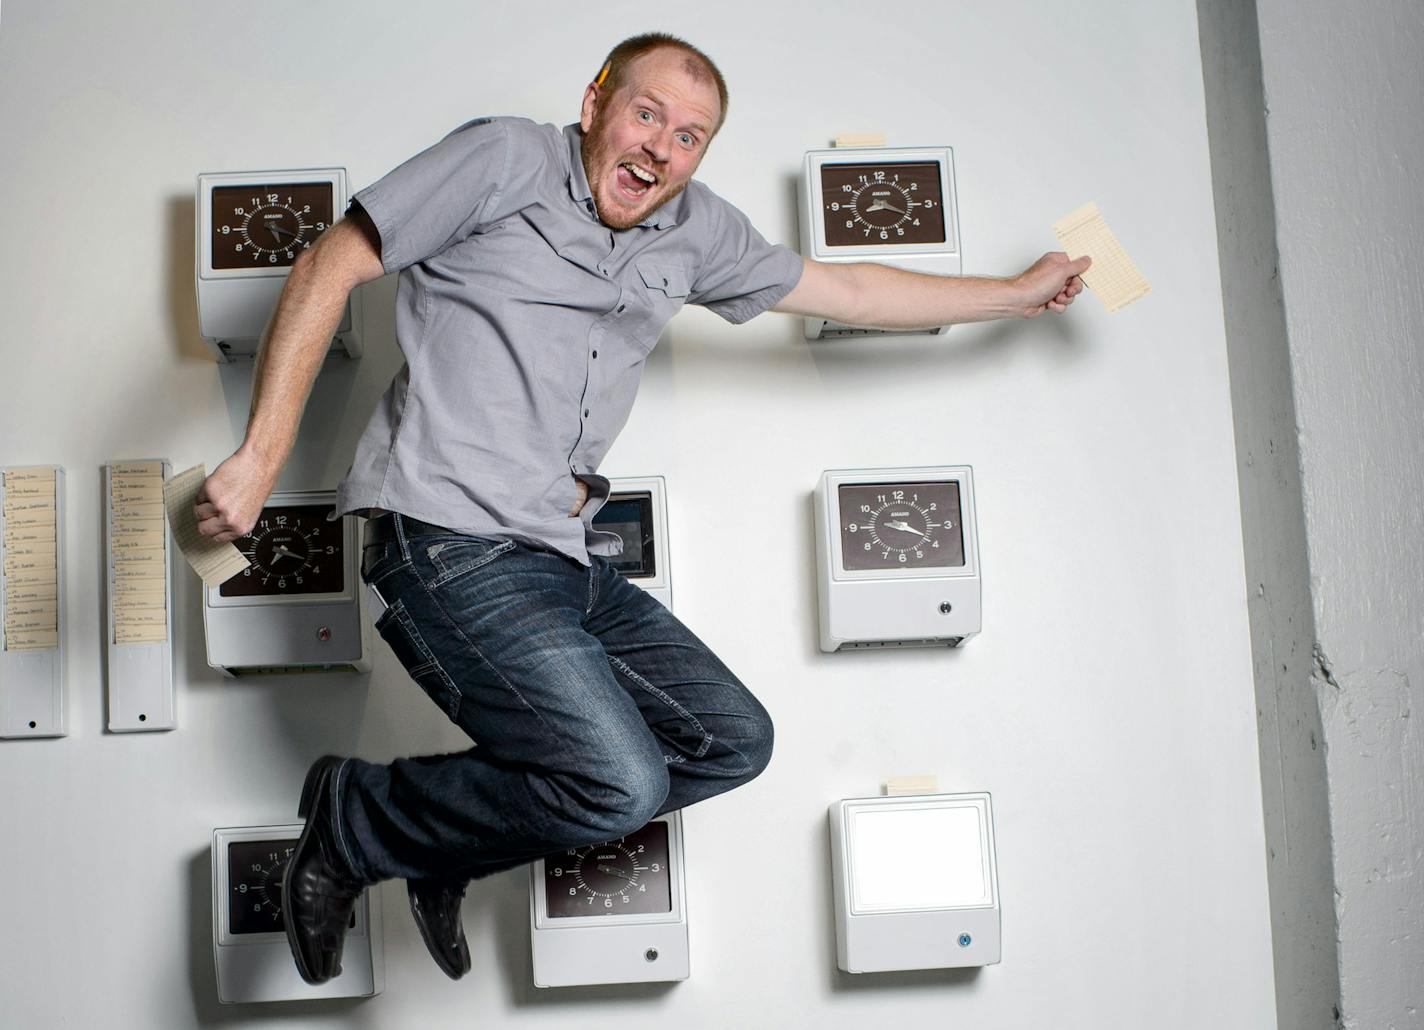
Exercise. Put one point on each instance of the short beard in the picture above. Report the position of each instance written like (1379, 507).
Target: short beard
(596, 154)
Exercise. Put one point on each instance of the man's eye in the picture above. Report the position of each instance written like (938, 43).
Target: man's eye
(687, 141)
(646, 116)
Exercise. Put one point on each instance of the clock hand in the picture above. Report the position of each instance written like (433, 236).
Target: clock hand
(905, 527)
(883, 205)
(613, 871)
(282, 552)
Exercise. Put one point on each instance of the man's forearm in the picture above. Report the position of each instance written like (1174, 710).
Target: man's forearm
(291, 354)
(882, 297)
(891, 298)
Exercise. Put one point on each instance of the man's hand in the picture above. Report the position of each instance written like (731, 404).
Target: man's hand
(230, 499)
(1051, 283)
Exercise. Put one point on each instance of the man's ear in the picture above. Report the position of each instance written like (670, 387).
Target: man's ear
(591, 96)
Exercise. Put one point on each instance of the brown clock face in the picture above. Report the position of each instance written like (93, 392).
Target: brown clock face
(267, 226)
(882, 204)
(901, 526)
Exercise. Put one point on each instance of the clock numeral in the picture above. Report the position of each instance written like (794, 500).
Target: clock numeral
(854, 527)
(867, 545)
(271, 198)
(902, 556)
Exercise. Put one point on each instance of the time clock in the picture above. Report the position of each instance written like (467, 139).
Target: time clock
(297, 606)
(894, 205)
(916, 883)
(251, 228)
(613, 912)
(897, 557)
(636, 510)
(250, 949)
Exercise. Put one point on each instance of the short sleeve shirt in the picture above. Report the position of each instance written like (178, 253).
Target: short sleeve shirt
(525, 323)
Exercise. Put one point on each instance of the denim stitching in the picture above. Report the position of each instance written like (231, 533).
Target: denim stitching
(440, 604)
(455, 699)
(592, 588)
(469, 566)
(666, 699)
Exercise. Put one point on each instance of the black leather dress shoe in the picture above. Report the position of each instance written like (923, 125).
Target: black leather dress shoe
(318, 891)
(435, 905)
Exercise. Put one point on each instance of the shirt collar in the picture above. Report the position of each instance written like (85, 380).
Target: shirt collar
(582, 193)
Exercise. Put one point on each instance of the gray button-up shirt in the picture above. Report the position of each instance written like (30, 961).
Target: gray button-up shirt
(525, 323)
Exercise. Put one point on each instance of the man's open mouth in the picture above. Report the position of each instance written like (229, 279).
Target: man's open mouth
(634, 180)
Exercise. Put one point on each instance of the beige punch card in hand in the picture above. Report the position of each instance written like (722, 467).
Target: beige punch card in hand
(215, 562)
(1113, 277)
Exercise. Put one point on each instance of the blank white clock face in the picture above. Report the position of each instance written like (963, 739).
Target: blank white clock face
(901, 525)
(924, 857)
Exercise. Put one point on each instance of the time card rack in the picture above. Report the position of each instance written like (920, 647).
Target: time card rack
(140, 615)
(32, 702)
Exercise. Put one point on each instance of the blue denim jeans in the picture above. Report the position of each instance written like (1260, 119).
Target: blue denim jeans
(592, 709)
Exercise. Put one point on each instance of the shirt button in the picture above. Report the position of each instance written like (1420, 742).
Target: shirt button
(595, 354)
(585, 413)
(621, 307)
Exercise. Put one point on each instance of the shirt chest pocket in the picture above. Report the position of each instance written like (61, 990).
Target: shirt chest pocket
(662, 290)
(668, 280)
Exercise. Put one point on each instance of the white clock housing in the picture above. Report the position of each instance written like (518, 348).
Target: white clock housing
(250, 950)
(235, 303)
(819, 239)
(916, 882)
(271, 633)
(645, 946)
(897, 557)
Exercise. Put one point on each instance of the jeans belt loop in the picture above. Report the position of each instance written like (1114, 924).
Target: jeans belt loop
(400, 536)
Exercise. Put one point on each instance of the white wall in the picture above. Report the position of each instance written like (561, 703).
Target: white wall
(1295, 793)
(1344, 89)
(1108, 704)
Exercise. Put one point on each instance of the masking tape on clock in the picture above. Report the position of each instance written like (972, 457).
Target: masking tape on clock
(926, 783)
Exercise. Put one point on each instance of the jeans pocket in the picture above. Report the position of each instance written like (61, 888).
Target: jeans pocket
(452, 557)
(379, 560)
(398, 630)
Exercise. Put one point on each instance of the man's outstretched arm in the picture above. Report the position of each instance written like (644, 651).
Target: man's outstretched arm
(293, 348)
(869, 294)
